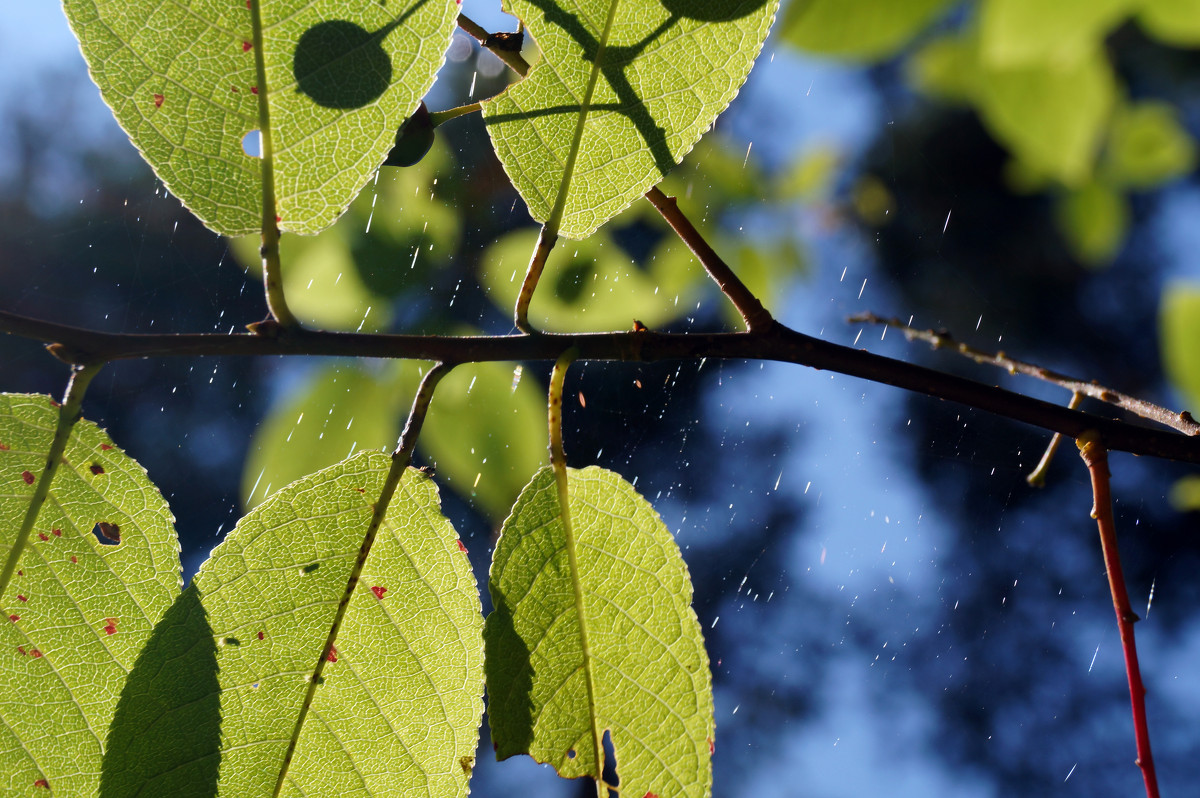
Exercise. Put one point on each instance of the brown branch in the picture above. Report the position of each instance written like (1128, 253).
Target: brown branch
(510, 57)
(747, 304)
(776, 342)
(1095, 455)
(943, 340)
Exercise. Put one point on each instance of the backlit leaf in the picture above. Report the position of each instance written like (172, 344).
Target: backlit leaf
(80, 607)
(653, 690)
(1094, 218)
(623, 90)
(182, 80)
(859, 29)
(1017, 32)
(1147, 146)
(398, 706)
(1175, 22)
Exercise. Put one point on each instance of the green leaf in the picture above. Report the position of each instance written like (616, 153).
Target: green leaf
(1175, 22)
(397, 709)
(652, 687)
(1094, 218)
(589, 285)
(1185, 494)
(1147, 146)
(486, 433)
(867, 30)
(623, 90)
(1053, 116)
(338, 411)
(1179, 337)
(79, 609)
(1022, 32)
(183, 80)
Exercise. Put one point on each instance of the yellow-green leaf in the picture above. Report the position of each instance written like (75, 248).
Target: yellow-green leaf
(81, 605)
(623, 90)
(185, 80)
(1094, 218)
(644, 654)
(1022, 32)
(1179, 337)
(397, 707)
(1147, 146)
(1175, 22)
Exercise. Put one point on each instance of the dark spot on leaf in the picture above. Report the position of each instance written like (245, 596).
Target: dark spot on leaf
(461, 546)
(378, 591)
(28, 477)
(21, 597)
(108, 534)
(467, 763)
(570, 283)
(57, 533)
(339, 64)
(332, 655)
(97, 469)
(42, 535)
(158, 100)
(42, 783)
(35, 653)
(110, 626)
(361, 490)
(230, 641)
(246, 47)
(571, 753)
(260, 635)
(233, 89)
(21, 651)
(308, 569)
(14, 618)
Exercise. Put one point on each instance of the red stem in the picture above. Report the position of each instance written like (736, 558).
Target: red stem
(1096, 457)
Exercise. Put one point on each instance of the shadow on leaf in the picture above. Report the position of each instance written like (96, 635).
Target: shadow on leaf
(509, 677)
(165, 737)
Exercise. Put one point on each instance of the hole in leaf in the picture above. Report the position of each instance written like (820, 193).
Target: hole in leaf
(108, 534)
(252, 143)
(610, 762)
(571, 754)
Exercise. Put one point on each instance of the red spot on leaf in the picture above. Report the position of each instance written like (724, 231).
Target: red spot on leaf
(28, 477)
(246, 47)
(650, 794)
(233, 89)
(74, 558)
(14, 618)
(278, 218)
(55, 403)
(57, 532)
(247, 3)
(42, 535)
(21, 597)
(712, 747)
(35, 653)
(42, 783)
(21, 651)
(110, 626)
(361, 490)
(495, 746)
(21, 573)
(461, 546)
(332, 656)
(260, 635)
(378, 591)
(97, 469)
(104, 447)
(254, 90)
(3, 448)
(158, 100)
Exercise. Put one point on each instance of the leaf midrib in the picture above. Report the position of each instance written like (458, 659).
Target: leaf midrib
(564, 186)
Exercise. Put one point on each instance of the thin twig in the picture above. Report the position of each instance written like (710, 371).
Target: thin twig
(943, 340)
(400, 461)
(1037, 477)
(537, 262)
(1096, 457)
(442, 117)
(510, 57)
(776, 342)
(68, 413)
(748, 305)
